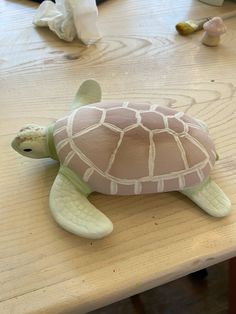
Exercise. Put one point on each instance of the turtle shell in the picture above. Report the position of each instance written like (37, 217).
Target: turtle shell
(132, 148)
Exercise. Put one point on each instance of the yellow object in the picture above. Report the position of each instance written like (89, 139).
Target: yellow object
(191, 26)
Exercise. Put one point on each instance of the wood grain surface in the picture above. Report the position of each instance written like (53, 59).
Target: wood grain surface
(156, 238)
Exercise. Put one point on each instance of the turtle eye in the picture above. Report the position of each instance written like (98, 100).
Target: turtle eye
(27, 150)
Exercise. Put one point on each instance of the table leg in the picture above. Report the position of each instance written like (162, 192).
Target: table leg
(137, 304)
(232, 286)
(200, 274)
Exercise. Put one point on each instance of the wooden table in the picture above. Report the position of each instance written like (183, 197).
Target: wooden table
(156, 238)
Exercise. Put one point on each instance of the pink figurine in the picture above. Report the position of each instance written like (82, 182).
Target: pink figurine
(213, 29)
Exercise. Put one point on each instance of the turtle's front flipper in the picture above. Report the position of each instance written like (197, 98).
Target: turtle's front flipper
(88, 93)
(73, 212)
(210, 198)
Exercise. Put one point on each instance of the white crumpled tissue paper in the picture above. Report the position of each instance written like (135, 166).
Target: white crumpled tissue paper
(70, 18)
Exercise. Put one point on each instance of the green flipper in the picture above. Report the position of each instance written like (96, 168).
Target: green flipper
(202, 124)
(210, 198)
(89, 92)
(73, 211)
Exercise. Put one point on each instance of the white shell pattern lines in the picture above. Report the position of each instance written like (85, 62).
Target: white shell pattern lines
(176, 126)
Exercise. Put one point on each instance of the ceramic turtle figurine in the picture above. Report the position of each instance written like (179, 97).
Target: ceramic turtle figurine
(122, 148)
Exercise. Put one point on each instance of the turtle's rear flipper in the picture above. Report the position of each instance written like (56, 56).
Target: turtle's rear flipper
(73, 211)
(210, 198)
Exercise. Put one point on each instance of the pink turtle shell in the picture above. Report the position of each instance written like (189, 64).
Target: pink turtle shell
(132, 148)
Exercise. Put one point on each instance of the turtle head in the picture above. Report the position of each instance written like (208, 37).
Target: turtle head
(31, 141)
